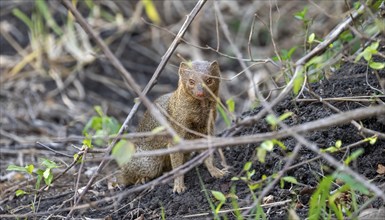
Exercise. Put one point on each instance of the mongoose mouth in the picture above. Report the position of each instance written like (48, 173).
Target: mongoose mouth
(200, 96)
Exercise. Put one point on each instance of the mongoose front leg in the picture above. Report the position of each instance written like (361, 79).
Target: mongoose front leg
(177, 160)
(213, 170)
(209, 162)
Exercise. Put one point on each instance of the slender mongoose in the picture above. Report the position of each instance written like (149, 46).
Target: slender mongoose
(193, 106)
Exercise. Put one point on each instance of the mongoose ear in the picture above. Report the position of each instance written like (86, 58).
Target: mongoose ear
(214, 68)
(183, 67)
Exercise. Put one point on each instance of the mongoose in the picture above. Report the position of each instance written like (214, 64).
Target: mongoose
(190, 105)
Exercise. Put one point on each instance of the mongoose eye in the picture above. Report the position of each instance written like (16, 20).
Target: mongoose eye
(209, 81)
(191, 82)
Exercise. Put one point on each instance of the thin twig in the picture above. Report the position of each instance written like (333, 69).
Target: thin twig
(333, 120)
(55, 151)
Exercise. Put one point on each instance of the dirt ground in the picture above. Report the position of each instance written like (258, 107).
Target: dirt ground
(34, 109)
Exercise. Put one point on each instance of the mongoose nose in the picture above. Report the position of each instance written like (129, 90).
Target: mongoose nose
(200, 94)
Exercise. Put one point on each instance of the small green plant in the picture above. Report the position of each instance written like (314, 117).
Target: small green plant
(44, 173)
(334, 148)
(249, 173)
(288, 179)
(221, 198)
(162, 212)
(301, 15)
(207, 195)
(227, 113)
(274, 121)
(268, 146)
(234, 203)
(368, 53)
(101, 126)
(324, 202)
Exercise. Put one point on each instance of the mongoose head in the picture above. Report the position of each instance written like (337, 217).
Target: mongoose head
(200, 79)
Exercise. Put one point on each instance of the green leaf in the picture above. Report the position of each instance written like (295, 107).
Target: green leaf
(315, 60)
(95, 123)
(372, 140)
(255, 186)
(261, 154)
(23, 17)
(38, 181)
(151, 11)
(311, 38)
(234, 178)
(272, 120)
(301, 14)
(110, 125)
(76, 157)
(319, 197)
(374, 46)
(279, 143)
(20, 192)
(354, 155)
(123, 151)
(46, 173)
(49, 164)
(359, 56)
(247, 166)
(352, 183)
(87, 142)
(290, 53)
(367, 55)
(99, 110)
(250, 174)
(298, 81)
(357, 5)
(40, 172)
(158, 129)
(219, 196)
(290, 179)
(43, 9)
(48, 179)
(285, 115)
(17, 168)
(30, 168)
(230, 104)
(330, 149)
(267, 145)
(376, 65)
(332, 203)
(224, 115)
(338, 144)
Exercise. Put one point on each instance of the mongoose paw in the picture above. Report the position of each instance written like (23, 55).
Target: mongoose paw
(218, 173)
(179, 188)
(142, 180)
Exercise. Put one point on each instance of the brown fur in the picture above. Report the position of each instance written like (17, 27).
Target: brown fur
(192, 106)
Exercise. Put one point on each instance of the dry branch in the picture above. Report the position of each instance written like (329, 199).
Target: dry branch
(333, 120)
